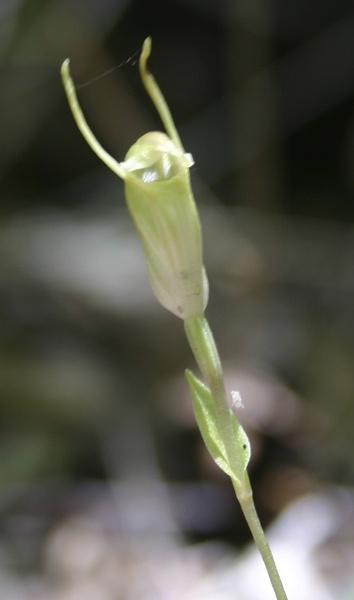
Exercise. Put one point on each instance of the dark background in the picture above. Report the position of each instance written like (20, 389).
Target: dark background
(91, 367)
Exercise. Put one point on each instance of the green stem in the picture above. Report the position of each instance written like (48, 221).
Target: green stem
(203, 346)
(245, 498)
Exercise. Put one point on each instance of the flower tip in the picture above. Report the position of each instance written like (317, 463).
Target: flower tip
(66, 77)
(145, 53)
(147, 46)
(65, 69)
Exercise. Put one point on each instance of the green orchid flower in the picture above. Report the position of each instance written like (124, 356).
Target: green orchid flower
(160, 200)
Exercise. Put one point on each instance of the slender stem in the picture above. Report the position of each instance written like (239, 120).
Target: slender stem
(245, 498)
(202, 343)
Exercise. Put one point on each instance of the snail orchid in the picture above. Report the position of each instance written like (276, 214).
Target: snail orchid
(160, 200)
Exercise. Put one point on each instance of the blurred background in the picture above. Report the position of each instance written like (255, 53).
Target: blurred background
(106, 491)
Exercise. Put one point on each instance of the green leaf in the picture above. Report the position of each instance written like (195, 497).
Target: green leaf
(206, 417)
